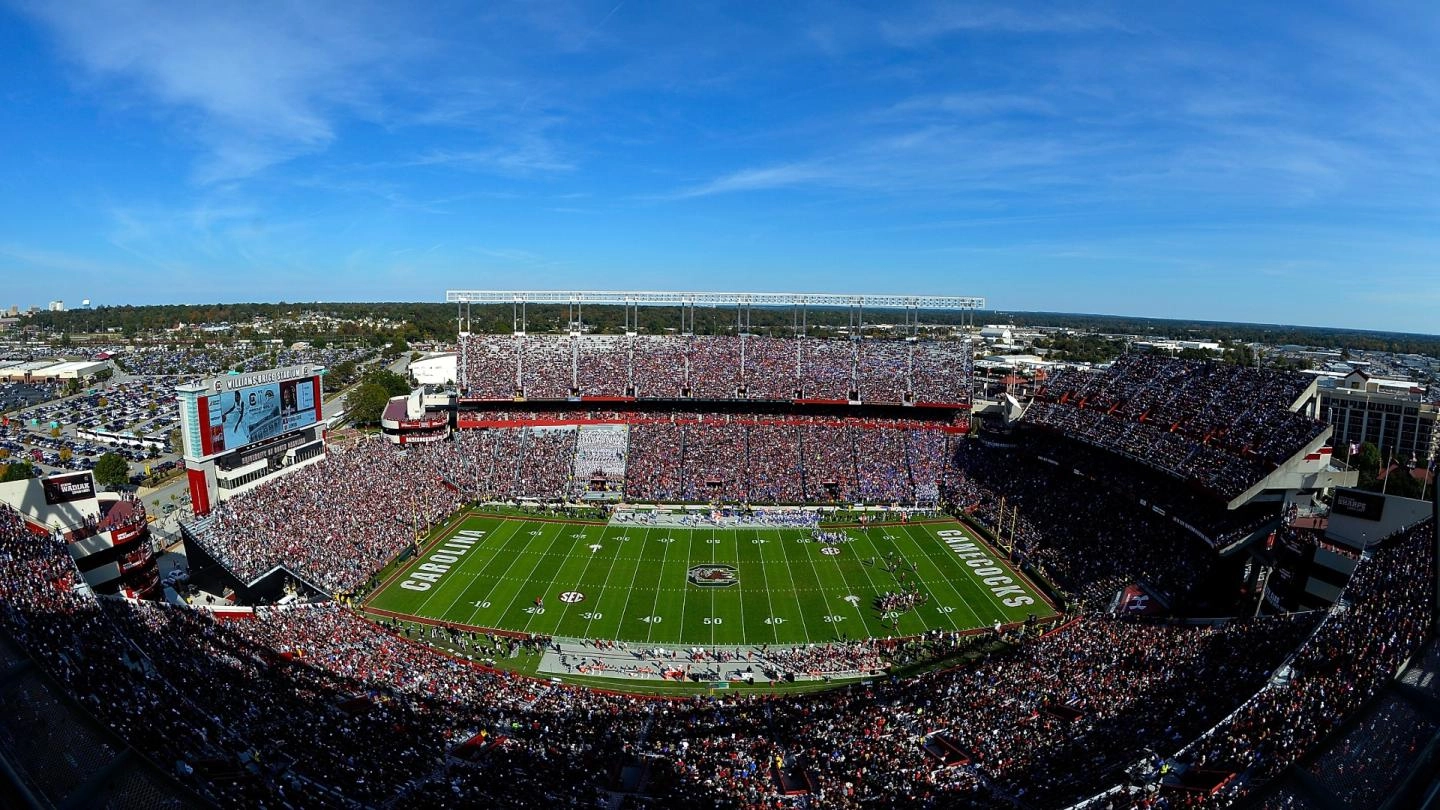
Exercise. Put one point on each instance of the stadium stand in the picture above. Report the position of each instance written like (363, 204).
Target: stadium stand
(552, 367)
(602, 364)
(314, 705)
(387, 498)
(1222, 426)
(391, 709)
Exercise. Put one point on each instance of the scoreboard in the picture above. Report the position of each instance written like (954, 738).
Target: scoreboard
(238, 420)
(248, 414)
(225, 414)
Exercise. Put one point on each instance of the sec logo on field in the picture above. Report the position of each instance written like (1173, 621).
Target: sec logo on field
(571, 597)
(831, 550)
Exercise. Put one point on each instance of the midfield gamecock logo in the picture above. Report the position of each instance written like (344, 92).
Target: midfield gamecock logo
(711, 576)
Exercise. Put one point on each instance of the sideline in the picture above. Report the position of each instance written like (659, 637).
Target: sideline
(445, 531)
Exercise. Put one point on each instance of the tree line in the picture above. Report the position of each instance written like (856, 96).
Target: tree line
(437, 321)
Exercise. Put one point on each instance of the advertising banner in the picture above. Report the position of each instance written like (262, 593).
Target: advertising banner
(1358, 504)
(67, 488)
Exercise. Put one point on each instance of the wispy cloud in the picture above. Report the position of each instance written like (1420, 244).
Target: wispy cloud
(716, 137)
(761, 179)
(42, 260)
(973, 105)
(937, 160)
(257, 83)
(945, 19)
(531, 156)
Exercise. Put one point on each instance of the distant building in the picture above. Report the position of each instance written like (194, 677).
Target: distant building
(1391, 414)
(435, 369)
(57, 306)
(1018, 362)
(1177, 346)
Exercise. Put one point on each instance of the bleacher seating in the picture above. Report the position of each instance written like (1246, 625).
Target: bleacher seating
(553, 367)
(1222, 426)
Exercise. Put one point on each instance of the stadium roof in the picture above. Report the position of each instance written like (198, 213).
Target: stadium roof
(654, 298)
(73, 366)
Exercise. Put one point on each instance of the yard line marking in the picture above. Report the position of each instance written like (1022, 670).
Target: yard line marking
(794, 589)
(685, 598)
(819, 582)
(483, 542)
(650, 626)
(450, 531)
(1003, 561)
(863, 570)
(909, 557)
(535, 567)
(561, 567)
(926, 624)
(713, 548)
(734, 534)
(464, 566)
(600, 596)
(905, 531)
(769, 598)
(630, 595)
(505, 574)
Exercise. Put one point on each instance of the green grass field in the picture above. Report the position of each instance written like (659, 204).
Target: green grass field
(641, 584)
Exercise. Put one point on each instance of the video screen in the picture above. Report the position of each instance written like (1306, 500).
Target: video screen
(256, 413)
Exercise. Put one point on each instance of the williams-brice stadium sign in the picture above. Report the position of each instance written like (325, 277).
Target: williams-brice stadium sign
(235, 382)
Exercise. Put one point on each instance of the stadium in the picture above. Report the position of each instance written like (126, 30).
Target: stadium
(756, 568)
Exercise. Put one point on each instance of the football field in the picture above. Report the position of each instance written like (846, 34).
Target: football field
(702, 586)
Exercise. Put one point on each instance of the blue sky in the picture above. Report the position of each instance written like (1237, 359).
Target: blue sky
(1255, 162)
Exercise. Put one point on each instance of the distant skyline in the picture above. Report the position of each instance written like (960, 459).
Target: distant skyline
(1222, 162)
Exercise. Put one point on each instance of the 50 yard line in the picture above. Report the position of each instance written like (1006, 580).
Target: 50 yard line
(714, 547)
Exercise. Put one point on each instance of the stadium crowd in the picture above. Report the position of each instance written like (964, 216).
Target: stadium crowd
(547, 462)
(387, 497)
(1085, 538)
(756, 461)
(1090, 540)
(774, 465)
(1352, 656)
(1223, 426)
(316, 699)
(716, 368)
(318, 696)
(602, 366)
(314, 705)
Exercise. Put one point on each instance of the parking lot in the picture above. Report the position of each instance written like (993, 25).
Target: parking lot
(14, 396)
(131, 417)
(134, 413)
